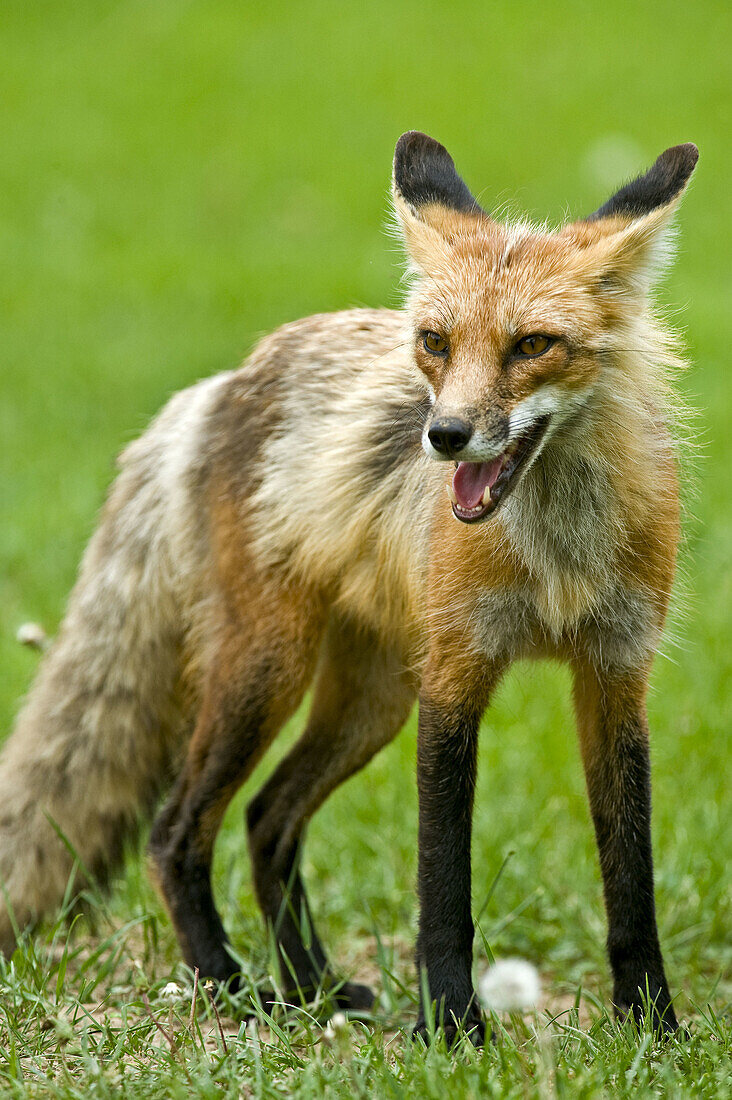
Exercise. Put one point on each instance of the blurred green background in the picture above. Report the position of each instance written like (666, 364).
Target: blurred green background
(179, 177)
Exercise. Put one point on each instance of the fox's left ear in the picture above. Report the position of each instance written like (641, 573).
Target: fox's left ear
(630, 232)
(430, 199)
(661, 185)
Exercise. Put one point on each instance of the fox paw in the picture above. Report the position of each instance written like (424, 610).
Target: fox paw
(663, 1021)
(353, 997)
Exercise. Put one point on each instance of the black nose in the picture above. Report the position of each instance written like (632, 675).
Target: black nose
(449, 435)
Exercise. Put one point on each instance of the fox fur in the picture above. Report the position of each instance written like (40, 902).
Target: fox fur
(289, 521)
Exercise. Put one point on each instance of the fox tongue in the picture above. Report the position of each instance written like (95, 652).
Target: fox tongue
(471, 479)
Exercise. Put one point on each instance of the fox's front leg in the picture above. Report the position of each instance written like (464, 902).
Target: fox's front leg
(614, 740)
(450, 709)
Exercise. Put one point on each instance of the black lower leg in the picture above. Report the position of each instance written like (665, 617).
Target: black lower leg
(282, 896)
(304, 967)
(446, 774)
(362, 697)
(185, 880)
(229, 740)
(624, 842)
(618, 777)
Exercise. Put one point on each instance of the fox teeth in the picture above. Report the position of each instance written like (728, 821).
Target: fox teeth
(451, 492)
(486, 499)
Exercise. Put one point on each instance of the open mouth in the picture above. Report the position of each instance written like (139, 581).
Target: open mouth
(478, 488)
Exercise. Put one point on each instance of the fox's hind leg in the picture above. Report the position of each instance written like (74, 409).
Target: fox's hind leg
(362, 698)
(264, 658)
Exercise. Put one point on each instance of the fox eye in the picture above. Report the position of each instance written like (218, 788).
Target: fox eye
(434, 343)
(534, 345)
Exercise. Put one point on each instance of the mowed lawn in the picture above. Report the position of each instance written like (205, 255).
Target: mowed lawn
(177, 178)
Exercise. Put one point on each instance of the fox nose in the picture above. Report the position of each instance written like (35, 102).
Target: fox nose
(448, 434)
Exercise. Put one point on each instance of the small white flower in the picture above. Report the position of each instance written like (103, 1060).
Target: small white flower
(171, 991)
(510, 985)
(32, 635)
(336, 1030)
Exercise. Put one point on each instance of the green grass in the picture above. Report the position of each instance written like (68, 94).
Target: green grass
(178, 177)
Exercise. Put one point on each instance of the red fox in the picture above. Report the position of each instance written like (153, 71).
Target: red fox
(391, 504)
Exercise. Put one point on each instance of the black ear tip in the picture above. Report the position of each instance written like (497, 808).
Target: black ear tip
(414, 145)
(424, 172)
(662, 183)
(692, 151)
(680, 160)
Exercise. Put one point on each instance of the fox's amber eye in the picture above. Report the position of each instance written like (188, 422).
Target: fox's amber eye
(534, 345)
(434, 343)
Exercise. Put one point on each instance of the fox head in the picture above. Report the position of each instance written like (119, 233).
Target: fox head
(512, 327)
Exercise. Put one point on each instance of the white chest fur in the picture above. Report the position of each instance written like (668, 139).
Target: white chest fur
(565, 525)
(617, 630)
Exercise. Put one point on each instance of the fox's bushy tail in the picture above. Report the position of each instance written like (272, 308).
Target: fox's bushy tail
(92, 746)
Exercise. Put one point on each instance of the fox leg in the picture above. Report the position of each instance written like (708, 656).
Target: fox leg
(362, 698)
(263, 663)
(614, 741)
(454, 694)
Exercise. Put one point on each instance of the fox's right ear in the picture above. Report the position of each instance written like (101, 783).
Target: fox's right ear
(430, 199)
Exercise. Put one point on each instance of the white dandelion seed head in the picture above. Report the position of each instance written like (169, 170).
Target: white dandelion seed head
(510, 985)
(336, 1027)
(337, 1030)
(33, 635)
